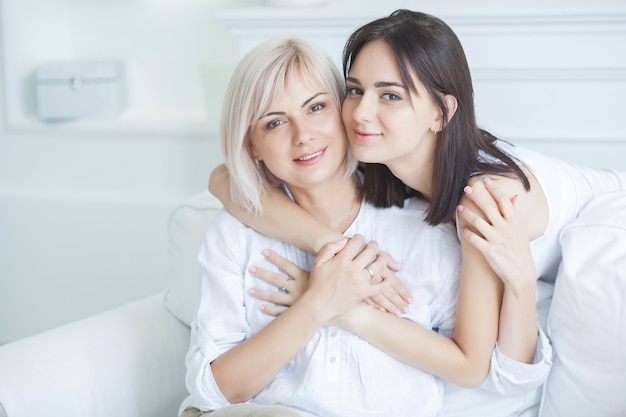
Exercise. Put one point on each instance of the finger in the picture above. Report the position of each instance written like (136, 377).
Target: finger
(283, 264)
(274, 297)
(485, 202)
(475, 240)
(329, 251)
(477, 223)
(380, 302)
(377, 267)
(354, 248)
(392, 264)
(515, 200)
(369, 256)
(272, 310)
(391, 301)
(503, 197)
(273, 278)
(400, 290)
(376, 289)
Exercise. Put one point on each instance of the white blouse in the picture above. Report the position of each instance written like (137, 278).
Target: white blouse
(337, 373)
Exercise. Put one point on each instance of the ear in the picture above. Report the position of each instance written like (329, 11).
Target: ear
(449, 101)
(451, 105)
(253, 151)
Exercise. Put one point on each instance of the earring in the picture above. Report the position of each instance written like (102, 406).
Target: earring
(257, 163)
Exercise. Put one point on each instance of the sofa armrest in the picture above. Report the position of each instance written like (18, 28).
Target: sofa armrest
(126, 362)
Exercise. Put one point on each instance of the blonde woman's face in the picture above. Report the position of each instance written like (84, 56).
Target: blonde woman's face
(301, 138)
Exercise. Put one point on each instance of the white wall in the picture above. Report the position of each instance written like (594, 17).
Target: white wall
(550, 75)
(84, 206)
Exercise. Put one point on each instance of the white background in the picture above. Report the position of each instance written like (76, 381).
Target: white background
(84, 205)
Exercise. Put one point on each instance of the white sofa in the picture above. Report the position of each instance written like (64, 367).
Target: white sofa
(129, 362)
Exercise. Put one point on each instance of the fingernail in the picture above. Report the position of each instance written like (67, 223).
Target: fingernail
(382, 309)
(252, 269)
(266, 252)
(252, 291)
(262, 307)
(397, 313)
(406, 310)
(410, 300)
(488, 181)
(467, 189)
(342, 241)
(460, 208)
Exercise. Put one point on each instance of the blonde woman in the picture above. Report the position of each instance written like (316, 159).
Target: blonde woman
(281, 127)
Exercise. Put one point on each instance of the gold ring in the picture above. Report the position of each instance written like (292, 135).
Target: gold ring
(370, 271)
(284, 287)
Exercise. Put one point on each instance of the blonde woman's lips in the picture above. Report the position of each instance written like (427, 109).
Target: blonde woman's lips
(311, 157)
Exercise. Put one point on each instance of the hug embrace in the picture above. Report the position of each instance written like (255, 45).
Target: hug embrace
(379, 252)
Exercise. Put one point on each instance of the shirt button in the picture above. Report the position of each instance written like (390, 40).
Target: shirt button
(333, 334)
(332, 359)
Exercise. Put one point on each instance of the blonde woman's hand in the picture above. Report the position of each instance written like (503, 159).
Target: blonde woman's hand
(291, 284)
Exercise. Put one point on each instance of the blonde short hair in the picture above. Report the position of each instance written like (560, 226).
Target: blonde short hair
(257, 81)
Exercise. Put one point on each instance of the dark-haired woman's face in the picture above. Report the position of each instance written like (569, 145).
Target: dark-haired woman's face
(385, 121)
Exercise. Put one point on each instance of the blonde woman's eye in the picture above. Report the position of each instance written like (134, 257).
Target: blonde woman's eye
(273, 124)
(317, 107)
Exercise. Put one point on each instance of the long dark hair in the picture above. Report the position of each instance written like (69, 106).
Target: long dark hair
(427, 47)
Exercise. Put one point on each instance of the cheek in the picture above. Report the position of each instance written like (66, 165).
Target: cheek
(346, 112)
(331, 125)
(264, 150)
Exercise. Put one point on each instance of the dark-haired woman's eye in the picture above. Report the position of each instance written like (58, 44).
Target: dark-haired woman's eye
(391, 97)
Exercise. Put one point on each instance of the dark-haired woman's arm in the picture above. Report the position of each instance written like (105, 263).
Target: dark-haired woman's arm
(281, 219)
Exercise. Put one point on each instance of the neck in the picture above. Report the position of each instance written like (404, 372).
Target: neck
(335, 204)
(416, 169)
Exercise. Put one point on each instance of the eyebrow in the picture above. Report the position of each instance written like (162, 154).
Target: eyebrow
(379, 83)
(307, 101)
(310, 99)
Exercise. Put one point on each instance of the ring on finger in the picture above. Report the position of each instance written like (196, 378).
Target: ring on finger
(284, 286)
(370, 271)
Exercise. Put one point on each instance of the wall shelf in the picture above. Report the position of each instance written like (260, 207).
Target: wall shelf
(175, 69)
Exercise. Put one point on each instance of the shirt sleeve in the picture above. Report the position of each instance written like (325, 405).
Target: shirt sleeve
(510, 377)
(220, 321)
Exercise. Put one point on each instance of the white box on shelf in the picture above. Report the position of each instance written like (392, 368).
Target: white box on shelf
(71, 90)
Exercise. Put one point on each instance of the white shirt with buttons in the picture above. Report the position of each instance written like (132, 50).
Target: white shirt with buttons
(337, 373)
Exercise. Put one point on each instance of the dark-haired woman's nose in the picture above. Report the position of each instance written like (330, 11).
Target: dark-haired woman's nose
(363, 110)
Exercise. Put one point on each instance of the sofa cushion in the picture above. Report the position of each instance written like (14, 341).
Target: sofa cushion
(187, 226)
(587, 320)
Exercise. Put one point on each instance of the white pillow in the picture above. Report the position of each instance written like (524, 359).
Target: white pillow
(187, 227)
(587, 321)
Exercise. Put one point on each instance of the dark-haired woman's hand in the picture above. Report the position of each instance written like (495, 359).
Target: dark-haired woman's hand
(395, 299)
(492, 222)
